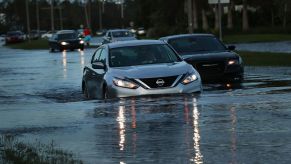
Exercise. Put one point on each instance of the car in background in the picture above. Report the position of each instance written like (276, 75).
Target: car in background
(209, 56)
(34, 34)
(141, 31)
(101, 33)
(2, 37)
(47, 35)
(14, 37)
(65, 40)
(118, 35)
(125, 69)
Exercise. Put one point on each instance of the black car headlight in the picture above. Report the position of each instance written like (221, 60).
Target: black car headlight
(234, 61)
(64, 43)
(124, 83)
(189, 78)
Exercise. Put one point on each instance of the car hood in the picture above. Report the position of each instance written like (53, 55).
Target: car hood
(213, 56)
(123, 39)
(151, 70)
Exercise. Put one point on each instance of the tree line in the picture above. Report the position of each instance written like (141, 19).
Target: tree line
(159, 17)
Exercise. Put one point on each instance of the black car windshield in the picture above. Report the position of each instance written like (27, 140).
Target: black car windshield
(117, 34)
(141, 55)
(67, 36)
(196, 44)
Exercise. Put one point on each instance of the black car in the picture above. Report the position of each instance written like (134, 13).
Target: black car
(209, 56)
(65, 39)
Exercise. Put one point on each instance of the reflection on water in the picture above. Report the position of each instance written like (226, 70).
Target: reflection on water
(82, 59)
(64, 64)
(196, 136)
(121, 122)
(233, 134)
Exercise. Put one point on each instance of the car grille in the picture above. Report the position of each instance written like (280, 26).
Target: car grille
(153, 82)
(217, 67)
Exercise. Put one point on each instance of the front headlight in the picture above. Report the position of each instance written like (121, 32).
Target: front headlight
(124, 84)
(189, 78)
(235, 61)
(64, 43)
(81, 42)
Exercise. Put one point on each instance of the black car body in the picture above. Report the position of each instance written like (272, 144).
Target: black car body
(209, 56)
(14, 37)
(64, 40)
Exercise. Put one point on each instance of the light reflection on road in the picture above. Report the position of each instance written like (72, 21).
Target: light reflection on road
(121, 124)
(196, 136)
(65, 71)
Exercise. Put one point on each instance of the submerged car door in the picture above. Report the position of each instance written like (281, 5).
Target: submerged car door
(95, 76)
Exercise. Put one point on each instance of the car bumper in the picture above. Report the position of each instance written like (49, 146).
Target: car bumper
(71, 46)
(230, 74)
(193, 87)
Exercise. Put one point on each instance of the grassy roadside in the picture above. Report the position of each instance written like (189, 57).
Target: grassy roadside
(250, 38)
(32, 45)
(14, 151)
(265, 59)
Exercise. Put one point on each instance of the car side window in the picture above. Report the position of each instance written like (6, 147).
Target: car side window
(96, 55)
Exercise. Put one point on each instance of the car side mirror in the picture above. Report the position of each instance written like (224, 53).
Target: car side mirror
(98, 65)
(231, 47)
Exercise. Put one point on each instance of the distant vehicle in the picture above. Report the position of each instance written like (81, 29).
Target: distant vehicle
(141, 31)
(118, 35)
(47, 35)
(65, 39)
(209, 56)
(136, 68)
(14, 37)
(2, 37)
(34, 34)
(101, 33)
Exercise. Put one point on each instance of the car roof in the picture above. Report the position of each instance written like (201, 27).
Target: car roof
(133, 43)
(184, 35)
(66, 31)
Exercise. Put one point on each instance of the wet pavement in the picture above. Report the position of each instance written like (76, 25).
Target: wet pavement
(41, 99)
(275, 47)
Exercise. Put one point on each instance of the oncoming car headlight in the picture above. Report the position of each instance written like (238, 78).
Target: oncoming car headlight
(124, 83)
(189, 78)
(81, 42)
(64, 43)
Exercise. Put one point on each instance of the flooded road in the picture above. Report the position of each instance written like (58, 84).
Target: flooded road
(41, 100)
(274, 47)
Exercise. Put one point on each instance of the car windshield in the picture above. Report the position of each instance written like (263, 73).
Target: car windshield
(67, 36)
(117, 34)
(197, 44)
(141, 55)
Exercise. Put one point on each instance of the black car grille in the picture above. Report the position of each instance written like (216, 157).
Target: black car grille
(154, 82)
(216, 67)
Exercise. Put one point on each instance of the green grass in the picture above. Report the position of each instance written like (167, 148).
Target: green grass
(14, 151)
(248, 38)
(33, 44)
(265, 59)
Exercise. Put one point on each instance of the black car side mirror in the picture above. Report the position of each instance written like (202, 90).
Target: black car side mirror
(98, 65)
(231, 47)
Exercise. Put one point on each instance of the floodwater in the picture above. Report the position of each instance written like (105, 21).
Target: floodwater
(275, 47)
(41, 99)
